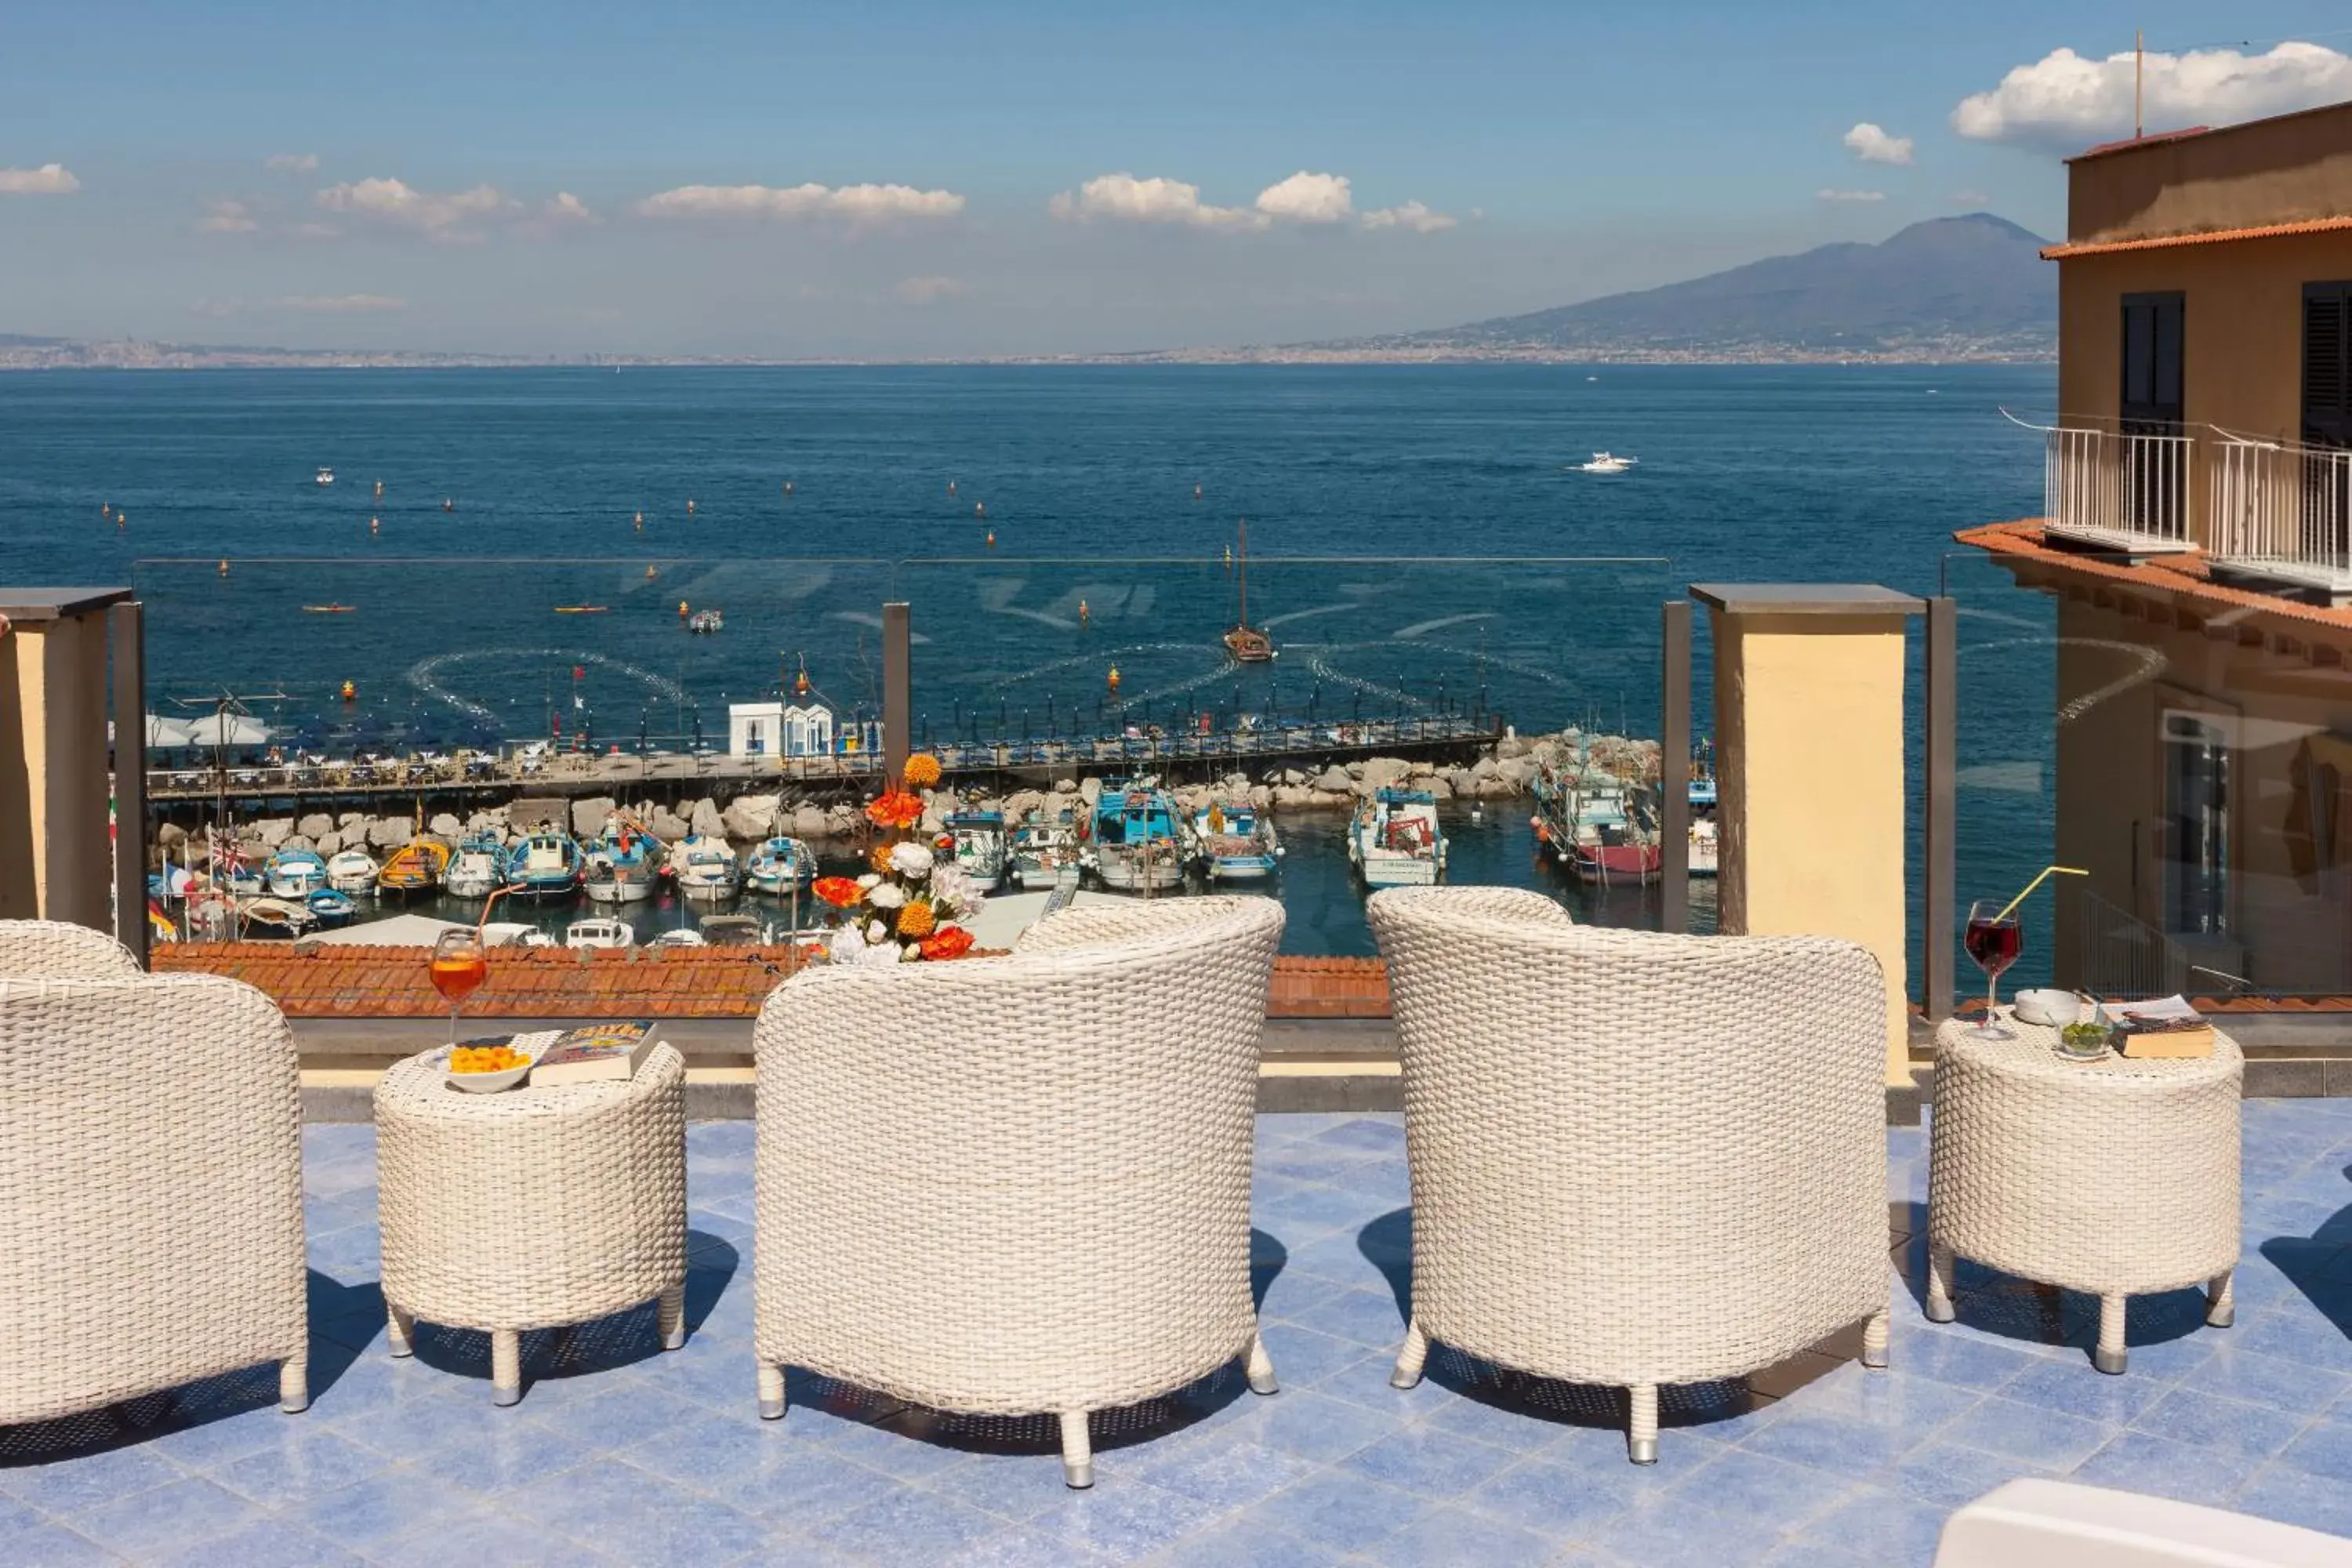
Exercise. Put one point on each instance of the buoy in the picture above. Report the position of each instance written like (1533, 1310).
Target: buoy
(1229, 555)
(379, 487)
(681, 609)
(1196, 492)
(651, 573)
(1114, 679)
(787, 487)
(979, 509)
(448, 504)
(641, 523)
(689, 506)
(118, 520)
(375, 526)
(351, 692)
(1084, 617)
(950, 487)
(106, 508)
(992, 539)
(224, 566)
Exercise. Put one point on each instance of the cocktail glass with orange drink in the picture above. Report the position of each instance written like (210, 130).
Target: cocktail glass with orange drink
(461, 962)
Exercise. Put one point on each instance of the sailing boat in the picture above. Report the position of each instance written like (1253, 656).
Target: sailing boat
(1246, 642)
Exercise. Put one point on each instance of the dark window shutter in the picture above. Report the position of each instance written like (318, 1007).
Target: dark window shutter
(2152, 400)
(2327, 364)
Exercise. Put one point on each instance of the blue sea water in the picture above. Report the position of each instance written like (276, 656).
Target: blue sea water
(1420, 541)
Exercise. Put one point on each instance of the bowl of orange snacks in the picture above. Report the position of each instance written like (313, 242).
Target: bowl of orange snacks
(486, 1067)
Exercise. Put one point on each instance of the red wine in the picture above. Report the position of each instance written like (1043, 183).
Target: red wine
(1994, 944)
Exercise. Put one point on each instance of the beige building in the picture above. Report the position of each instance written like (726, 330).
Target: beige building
(2196, 535)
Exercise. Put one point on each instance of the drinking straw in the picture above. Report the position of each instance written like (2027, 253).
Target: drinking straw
(2012, 906)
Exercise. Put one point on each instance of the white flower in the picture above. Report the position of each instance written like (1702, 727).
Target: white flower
(910, 859)
(871, 881)
(846, 946)
(876, 931)
(953, 892)
(888, 895)
(877, 955)
(910, 954)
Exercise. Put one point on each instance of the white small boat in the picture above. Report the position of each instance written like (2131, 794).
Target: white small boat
(1045, 846)
(295, 874)
(979, 837)
(326, 476)
(276, 917)
(599, 932)
(1607, 463)
(705, 868)
(679, 937)
(780, 865)
(477, 868)
(516, 933)
(351, 872)
(1395, 840)
(621, 867)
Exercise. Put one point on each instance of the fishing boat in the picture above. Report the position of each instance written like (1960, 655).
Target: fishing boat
(779, 866)
(1705, 847)
(705, 868)
(416, 866)
(274, 917)
(478, 869)
(1597, 825)
(330, 909)
(352, 871)
(294, 873)
(546, 865)
(1134, 842)
(1246, 642)
(1396, 841)
(325, 477)
(622, 864)
(979, 843)
(1607, 463)
(703, 623)
(1044, 846)
(1238, 844)
(599, 932)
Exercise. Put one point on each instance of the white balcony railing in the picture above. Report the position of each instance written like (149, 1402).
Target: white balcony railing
(2282, 512)
(2123, 492)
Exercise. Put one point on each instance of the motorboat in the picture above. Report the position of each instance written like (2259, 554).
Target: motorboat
(478, 869)
(704, 622)
(1044, 848)
(516, 933)
(325, 477)
(600, 931)
(680, 936)
(1396, 840)
(330, 909)
(419, 866)
(275, 917)
(1607, 463)
(294, 873)
(1237, 842)
(622, 865)
(734, 930)
(546, 865)
(779, 866)
(351, 872)
(1134, 842)
(705, 868)
(979, 843)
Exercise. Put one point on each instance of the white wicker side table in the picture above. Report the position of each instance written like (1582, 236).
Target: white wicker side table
(2113, 1177)
(532, 1208)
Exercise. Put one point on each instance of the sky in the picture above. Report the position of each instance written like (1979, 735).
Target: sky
(937, 180)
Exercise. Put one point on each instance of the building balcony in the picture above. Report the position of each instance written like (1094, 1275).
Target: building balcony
(2280, 516)
(2119, 492)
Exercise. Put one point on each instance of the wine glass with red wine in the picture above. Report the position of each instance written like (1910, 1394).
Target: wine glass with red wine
(1993, 941)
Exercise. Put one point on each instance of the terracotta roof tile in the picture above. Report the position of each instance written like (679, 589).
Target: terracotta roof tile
(2176, 576)
(2209, 237)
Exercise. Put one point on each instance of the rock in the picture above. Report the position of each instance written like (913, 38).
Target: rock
(1439, 788)
(751, 817)
(705, 819)
(1293, 777)
(1422, 769)
(1495, 789)
(329, 843)
(1355, 770)
(171, 836)
(296, 841)
(1510, 746)
(1335, 781)
(350, 820)
(312, 826)
(1066, 787)
(1293, 795)
(1484, 768)
(273, 831)
(1021, 803)
(809, 821)
(445, 826)
(1261, 796)
(1514, 773)
(1090, 790)
(1380, 773)
(1326, 798)
(589, 817)
(666, 828)
(390, 834)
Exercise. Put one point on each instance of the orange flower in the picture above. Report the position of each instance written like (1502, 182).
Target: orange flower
(893, 808)
(880, 859)
(839, 892)
(952, 942)
(916, 918)
(922, 771)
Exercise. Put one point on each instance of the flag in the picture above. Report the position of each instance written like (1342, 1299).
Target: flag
(579, 704)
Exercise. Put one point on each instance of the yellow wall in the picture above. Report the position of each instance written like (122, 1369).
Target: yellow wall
(56, 861)
(1809, 722)
(2293, 167)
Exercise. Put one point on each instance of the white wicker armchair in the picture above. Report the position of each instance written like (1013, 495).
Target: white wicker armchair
(57, 950)
(1020, 1185)
(1636, 1159)
(150, 1188)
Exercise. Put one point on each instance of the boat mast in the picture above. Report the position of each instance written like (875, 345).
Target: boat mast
(1244, 572)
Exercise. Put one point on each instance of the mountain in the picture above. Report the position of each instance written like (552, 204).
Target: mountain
(1953, 288)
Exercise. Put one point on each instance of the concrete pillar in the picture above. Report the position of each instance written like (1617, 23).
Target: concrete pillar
(1809, 752)
(56, 860)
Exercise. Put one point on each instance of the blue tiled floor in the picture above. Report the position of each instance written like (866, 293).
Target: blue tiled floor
(621, 1454)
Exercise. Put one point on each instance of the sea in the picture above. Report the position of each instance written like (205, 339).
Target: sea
(1420, 540)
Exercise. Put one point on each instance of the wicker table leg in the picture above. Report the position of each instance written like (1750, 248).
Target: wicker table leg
(2111, 1357)
(506, 1367)
(294, 1385)
(1077, 1453)
(1939, 1284)
(1261, 1367)
(1642, 1426)
(1874, 1341)
(2220, 1304)
(1410, 1359)
(671, 1312)
(771, 1392)
(399, 1330)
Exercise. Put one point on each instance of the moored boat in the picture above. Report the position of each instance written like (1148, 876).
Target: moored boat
(1237, 842)
(733, 931)
(330, 909)
(1134, 841)
(546, 865)
(478, 869)
(274, 917)
(1598, 824)
(351, 872)
(1044, 846)
(977, 838)
(780, 865)
(622, 865)
(599, 932)
(1396, 841)
(294, 874)
(680, 936)
(419, 866)
(705, 868)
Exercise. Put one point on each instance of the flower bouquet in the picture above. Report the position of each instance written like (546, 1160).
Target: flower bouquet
(905, 908)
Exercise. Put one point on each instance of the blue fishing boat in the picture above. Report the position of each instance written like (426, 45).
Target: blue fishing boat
(979, 840)
(547, 865)
(1238, 844)
(478, 869)
(780, 865)
(294, 873)
(330, 909)
(1134, 842)
(622, 865)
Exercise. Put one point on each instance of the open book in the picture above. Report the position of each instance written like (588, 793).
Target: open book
(594, 1053)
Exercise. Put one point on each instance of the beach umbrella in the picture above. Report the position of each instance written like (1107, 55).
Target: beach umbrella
(228, 730)
(162, 731)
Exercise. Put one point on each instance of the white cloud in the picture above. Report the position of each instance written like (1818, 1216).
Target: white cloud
(1849, 195)
(1970, 199)
(338, 303)
(297, 162)
(49, 180)
(567, 209)
(1412, 215)
(2065, 103)
(1872, 145)
(224, 215)
(1309, 198)
(925, 291)
(396, 204)
(1124, 198)
(860, 207)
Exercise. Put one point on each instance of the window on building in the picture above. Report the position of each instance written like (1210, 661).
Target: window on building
(2152, 391)
(2197, 820)
(2328, 364)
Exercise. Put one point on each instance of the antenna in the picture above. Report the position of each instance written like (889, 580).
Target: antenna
(2139, 74)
